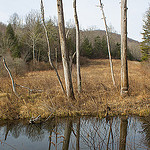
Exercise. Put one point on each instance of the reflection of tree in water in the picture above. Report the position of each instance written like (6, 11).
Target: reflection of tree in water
(35, 132)
(100, 134)
(146, 129)
(15, 128)
(87, 133)
(67, 133)
(60, 134)
(123, 133)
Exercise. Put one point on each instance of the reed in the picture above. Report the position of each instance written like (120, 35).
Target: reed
(98, 93)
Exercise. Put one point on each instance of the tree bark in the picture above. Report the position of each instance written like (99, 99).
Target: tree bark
(77, 47)
(49, 49)
(64, 52)
(124, 66)
(108, 44)
(33, 49)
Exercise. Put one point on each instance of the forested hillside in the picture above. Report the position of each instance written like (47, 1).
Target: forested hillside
(96, 40)
(25, 43)
(134, 46)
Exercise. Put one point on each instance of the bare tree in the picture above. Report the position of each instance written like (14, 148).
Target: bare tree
(124, 66)
(64, 52)
(108, 43)
(77, 47)
(33, 23)
(15, 21)
(49, 49)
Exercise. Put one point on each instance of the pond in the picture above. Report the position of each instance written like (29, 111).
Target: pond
(86, 133)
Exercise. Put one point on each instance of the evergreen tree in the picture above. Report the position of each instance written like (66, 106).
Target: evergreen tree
(97, 47)
(104, 48)
(129, 55)
(145, 45)
(70, 46)
(116, 52)
(86, 48)
(12, 41)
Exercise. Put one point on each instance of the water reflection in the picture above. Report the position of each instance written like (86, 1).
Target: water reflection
(146, 129)
(123, 133)
(117, 133)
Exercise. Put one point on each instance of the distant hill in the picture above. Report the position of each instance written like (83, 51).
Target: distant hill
(133, 45)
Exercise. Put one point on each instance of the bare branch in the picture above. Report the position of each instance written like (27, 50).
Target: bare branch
(108, 43)
(74, 55)
(8, 145)
(48, 117)
(30, 90)
(67, 33)
(33, 120)
(12, 80)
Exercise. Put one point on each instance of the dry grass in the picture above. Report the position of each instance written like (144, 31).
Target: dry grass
(98, 93)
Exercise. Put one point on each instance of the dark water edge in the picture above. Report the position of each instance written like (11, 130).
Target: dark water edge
(86, 133)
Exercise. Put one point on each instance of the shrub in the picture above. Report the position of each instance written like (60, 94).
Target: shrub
(17, 66)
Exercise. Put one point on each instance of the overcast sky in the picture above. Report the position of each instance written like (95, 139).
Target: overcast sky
(89, 14)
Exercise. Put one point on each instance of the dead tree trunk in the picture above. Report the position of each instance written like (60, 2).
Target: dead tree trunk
(12, 80)
(49, 49)
(108, 44)
(77, 47)
(64, 52)
(124, 66)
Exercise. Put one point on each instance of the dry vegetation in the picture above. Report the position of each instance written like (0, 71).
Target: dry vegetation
(98, 93)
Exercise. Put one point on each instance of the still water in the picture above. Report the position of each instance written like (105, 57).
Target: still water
(117, 133)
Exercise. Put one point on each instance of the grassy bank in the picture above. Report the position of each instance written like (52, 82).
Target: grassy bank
(98, 93)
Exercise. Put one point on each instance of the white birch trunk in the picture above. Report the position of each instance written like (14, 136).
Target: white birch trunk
(77, 47)
(108, 44)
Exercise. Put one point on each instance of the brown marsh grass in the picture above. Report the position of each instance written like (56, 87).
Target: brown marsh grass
(97, 95)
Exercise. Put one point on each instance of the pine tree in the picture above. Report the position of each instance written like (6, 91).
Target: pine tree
(97, 47)
(12, 41)
(145, 44)
(86, 48)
